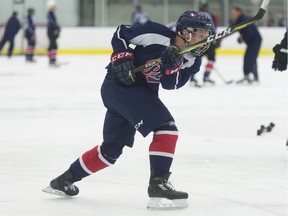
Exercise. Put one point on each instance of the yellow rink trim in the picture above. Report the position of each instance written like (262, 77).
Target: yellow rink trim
(109, 51)
(241, 52)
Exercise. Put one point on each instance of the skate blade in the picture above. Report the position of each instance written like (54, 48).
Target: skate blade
(54, 192)
(160, 204)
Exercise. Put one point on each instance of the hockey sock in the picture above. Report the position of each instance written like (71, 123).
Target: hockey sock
(209, 66)
(29, 52)
(161, 150)
(52, 56)
(89, 163)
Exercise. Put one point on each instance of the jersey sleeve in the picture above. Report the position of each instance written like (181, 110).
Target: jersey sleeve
(284, 41)
(174, 81)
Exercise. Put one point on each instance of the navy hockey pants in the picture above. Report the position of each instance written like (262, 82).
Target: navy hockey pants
(250, 57)
(11, 42)
(128, 110)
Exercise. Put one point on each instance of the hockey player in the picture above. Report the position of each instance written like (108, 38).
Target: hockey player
(132, 103)
(12, 27)
(280, 58)
(53, 33)
(139, 15)
(30, 36)
(251, 36)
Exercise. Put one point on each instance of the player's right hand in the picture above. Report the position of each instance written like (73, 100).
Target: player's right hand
(122, 66)
(171, 60)
(280, 59)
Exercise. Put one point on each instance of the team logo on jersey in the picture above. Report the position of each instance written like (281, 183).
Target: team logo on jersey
(152, 73)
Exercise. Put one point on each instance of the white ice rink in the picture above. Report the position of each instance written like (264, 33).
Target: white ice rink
(49, 117)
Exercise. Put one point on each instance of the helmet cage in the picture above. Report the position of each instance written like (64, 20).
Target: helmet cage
(200, 50)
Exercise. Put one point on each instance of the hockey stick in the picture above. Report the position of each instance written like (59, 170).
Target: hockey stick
(211, 38)
(284, 50)
(222, 78)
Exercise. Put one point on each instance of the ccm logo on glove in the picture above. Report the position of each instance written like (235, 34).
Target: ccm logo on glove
(121, 55)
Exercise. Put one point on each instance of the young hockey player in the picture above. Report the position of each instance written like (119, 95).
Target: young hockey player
(53, 33)
(30, 36)
(132, 103)
(211, 52)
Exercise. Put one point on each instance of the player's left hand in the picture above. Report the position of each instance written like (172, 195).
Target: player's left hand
(171, 60)
(280, 59)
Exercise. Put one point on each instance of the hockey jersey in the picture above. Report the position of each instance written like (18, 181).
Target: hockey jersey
(52, 22)
(148, 42)
(29, 27)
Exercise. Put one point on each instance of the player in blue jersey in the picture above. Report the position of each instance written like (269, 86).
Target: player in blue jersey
(132, 103)
(30, 36)
(210, 53)
(53, 32)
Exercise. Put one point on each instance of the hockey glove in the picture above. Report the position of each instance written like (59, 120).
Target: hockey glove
(122, 66)
(171, 60)
(280, 59)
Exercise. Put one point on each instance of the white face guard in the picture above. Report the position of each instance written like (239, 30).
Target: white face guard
(195, 36)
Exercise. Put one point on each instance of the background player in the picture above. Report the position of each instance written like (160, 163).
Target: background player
(30, 35)
(53, 33)
(132, 102)
(251, 36)
(210, 53)
(12, 27)
(139, 15)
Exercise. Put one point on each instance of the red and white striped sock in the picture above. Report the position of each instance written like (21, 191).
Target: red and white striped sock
(161, 151)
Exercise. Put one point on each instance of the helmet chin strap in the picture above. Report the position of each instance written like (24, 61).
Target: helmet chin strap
(186, 40)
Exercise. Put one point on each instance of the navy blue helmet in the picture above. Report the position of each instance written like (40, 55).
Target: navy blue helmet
(191, 20)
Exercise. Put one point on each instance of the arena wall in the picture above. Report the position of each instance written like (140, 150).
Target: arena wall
(97, 40)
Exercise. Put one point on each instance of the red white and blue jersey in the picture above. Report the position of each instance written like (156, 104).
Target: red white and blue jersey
(149, 40)
(52, 21)
(29, 27)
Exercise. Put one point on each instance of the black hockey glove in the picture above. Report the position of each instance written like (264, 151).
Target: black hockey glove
(122, 66)
(171, 60)
(280, 59)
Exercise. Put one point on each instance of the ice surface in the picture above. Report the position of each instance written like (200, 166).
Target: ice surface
(49, 117)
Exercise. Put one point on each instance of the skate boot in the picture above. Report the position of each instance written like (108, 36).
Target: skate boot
(53, 63)
(163, 196)
(194, 82)
(207, 80)
(30, 59)
(62, 186)
(245, 80)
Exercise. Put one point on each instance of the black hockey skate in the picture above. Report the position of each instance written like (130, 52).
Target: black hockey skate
(207, 80)
(194, 82)
(163, 196)
(62, 186)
